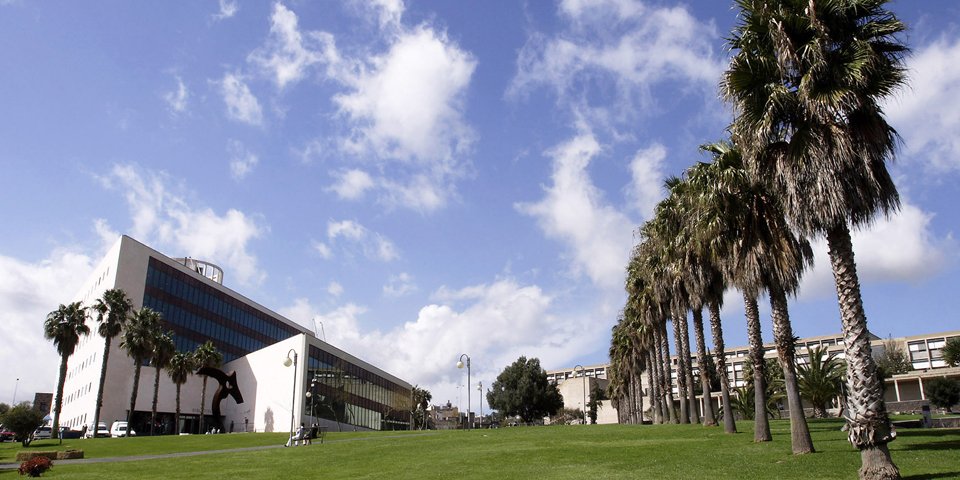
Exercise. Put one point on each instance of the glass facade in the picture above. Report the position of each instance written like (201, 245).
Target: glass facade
(347, 393)
(197, 312)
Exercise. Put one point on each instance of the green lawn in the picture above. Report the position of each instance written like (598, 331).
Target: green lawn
(548, 453)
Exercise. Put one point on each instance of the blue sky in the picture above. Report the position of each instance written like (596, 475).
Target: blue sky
(425, 179)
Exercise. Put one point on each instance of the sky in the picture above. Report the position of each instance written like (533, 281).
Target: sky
(418, 179)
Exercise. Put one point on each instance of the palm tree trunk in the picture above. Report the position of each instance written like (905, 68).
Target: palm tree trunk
(666, 383)
(203, 401)
(708, 419)
(783, 336)
(176, 420)
(653, 381)
(58, 402)
(868, 426)
(153, 410)
(133, 395)
(103, 378)
(688, 369)
(681, 369)
(716, 330)
(761, 424)
(638, 395)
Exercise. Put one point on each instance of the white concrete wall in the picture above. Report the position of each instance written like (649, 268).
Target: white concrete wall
(268, 387)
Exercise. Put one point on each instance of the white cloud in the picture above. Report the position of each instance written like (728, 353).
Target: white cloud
(347, 228)
(177, 99)
(901, 248)
(164, 219)
(399, 285)
(242, 160)
(335, 289)
(323, 250)
(927, 122)
(626, 47)
(28, 292)
(285, 57)
(494, 323)
(352, 237)
(646, 170)
(574, 212)
(242, 105)
(352, 184)
(228, 8)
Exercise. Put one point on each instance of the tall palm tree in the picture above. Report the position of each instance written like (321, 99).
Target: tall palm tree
(64, 326)
(807, 80)
(820, 379)
(206, 355)
(163, 351)
(112, 309)
(179, 369)
(137, 339)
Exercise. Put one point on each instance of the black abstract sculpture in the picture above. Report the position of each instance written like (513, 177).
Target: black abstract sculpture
(228, 386)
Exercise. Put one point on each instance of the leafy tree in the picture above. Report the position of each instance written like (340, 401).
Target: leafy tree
(64, 326)
(179, 369)
(4, 408)
(807, 81)
(113, 310)
(163, 351)
(206, 355)
(951, 352)
(820, 380)
(137, 340)
(943, 392)
(522, 389)
(597, 395)
(892, 360)
(22, 420)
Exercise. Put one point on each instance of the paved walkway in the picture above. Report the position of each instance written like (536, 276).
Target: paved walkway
(137, 458)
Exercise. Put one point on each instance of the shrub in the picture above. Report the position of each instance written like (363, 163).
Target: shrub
(943, 392)
(35, 466)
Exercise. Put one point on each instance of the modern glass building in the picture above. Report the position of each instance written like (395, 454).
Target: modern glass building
(331, 387)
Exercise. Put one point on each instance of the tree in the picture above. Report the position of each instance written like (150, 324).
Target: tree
(943, 392)
(179, 369)
(951, 352)
(4, 408)
(64, 326)
(807, 80)
(892, 360)
(22, 420)
(113, 310)
(163, 351)
(421, 401)
(206, 355)
(820, 380)
(522, 389)
(597, 395)
(137, 339)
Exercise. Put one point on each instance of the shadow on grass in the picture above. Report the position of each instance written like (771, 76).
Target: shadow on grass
(929, 476)
(929, 432)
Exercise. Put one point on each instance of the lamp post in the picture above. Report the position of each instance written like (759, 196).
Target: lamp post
(15, 385)
(480, 389)
(584, 382)
(460, 365)
(293, 397)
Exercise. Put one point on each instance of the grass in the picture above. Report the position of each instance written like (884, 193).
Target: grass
(562, 452)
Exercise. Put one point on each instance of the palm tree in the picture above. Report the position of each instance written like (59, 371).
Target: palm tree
(421, 400)
(163, 351)
(206, 355)
(820, 379)
(179, 369)
(112, 312)
(137, 339)
(64, 326)
(807, 80)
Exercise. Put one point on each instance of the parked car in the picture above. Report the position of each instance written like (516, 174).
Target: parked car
(66, 433)
(119, 429)
(6, 435)
(102, 431)
(43, 433)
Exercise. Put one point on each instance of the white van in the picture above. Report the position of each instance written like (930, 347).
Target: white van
(101, 431)
(119, 429)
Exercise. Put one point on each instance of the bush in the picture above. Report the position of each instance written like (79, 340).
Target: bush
(35, 466)
(943, 392)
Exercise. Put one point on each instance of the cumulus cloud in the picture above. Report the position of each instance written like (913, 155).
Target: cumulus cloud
(228, 8)
(494, 322)
(164, 219)
(353, 238)
(647, 173)
(287, 54)
(927, 123)
(900, 248)
(242, 160)
(626, 46)
(335, 289)
(177, 99)
(242, 105)
(352, 184)
(399, 285)
(574, 212)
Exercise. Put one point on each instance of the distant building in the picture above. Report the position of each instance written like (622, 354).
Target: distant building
(345, 391)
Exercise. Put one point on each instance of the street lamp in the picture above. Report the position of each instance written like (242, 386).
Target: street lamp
(15, 385)
(293, 397)
(460, 365)
(584, 382)
(480, 389)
